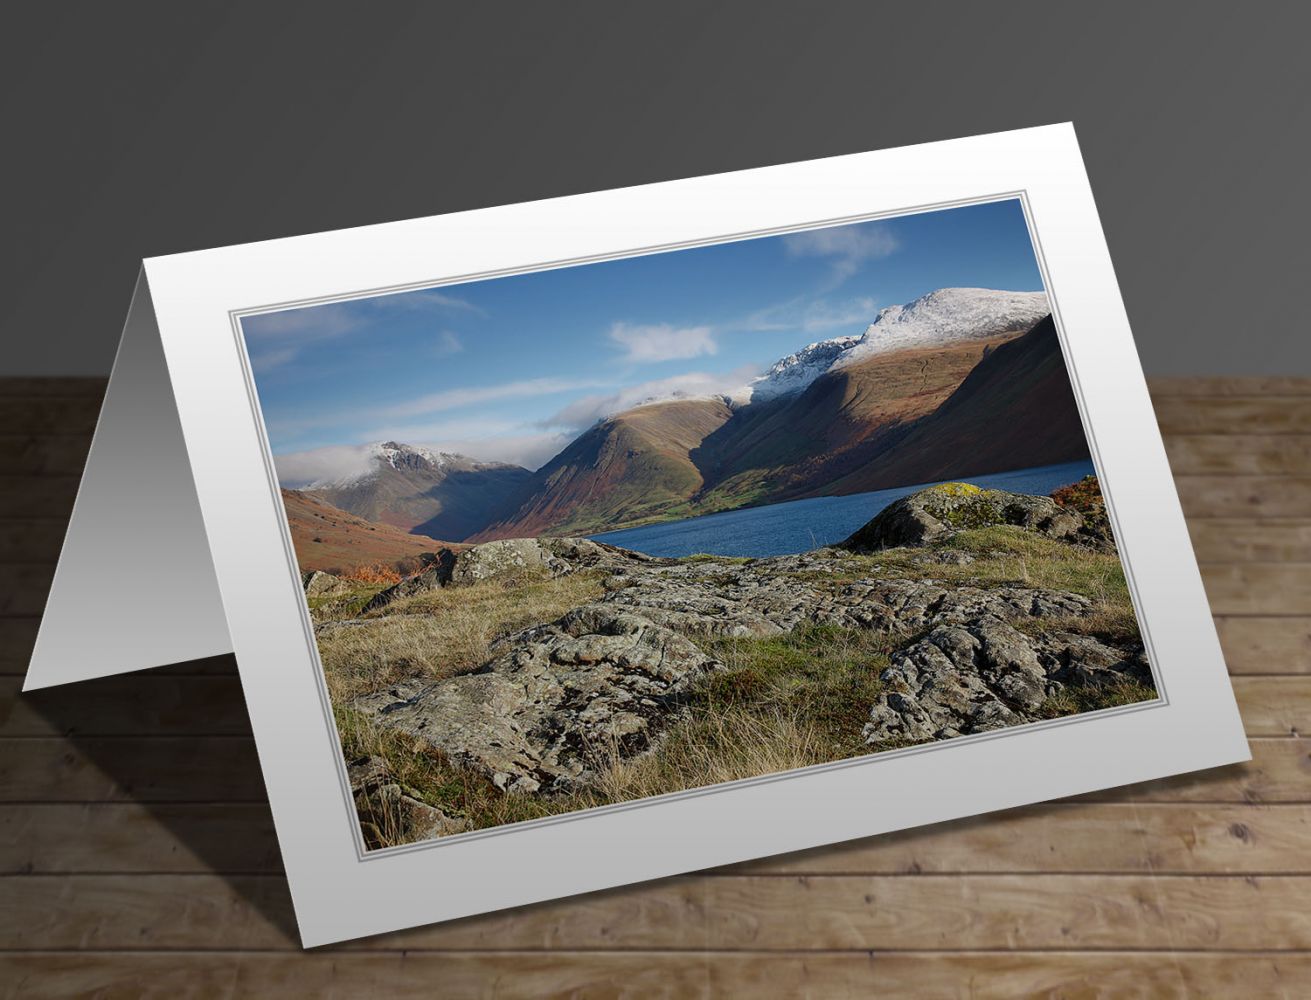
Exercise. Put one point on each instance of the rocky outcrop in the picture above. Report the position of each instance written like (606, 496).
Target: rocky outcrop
(984, 674)
(556, 702)
(389, 813)
(320, 584)
(510, 558)
(937, 513)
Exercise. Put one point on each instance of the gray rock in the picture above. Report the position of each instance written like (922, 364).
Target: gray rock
(984, 674)
(433, 578)
(320, 584)
(556, 702)
(389, 814)
(938, 512)
(507, 557)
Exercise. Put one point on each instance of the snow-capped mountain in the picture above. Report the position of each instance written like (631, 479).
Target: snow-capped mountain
(435, 493)
(947, 316)
(373, 458)
(796, 371)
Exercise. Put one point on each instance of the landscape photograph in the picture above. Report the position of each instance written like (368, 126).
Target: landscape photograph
(594, 534)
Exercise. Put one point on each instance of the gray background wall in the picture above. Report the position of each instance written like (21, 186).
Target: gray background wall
(137, 129)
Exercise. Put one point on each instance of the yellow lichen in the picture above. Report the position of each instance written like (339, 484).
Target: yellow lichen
(956, 489)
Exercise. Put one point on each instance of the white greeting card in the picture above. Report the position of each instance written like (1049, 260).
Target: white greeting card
(580, 542)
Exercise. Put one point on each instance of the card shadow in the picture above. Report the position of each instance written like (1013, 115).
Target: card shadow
(209, 795)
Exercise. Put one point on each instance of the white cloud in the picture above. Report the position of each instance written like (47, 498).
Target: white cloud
(278, 338)
(587, 410)
(663, 341)
(452, 399)
(848, 246)
(812, 316)
(446, 343)
(335, 462)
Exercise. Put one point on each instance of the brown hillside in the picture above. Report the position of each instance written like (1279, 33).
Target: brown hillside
(328, 538)
(1015, 410)
(631, 468)
(793, 446)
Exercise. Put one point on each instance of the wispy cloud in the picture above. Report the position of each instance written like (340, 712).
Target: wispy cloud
(813, 315)
(277, 339)
(454, 399)
(446, 343)
(586, 410)
(663, 341)
(848, 247)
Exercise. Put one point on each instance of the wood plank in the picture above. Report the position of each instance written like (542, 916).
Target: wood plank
(1263, 645)
(508, 975)
(50, 414)
(1230, 540)
(1065, 837)
(157, 703)
(43, 497)
(1274, 706)
(173, 975)
(17, 637)
(1239, 454)
(44, 455)
(1120, 838)
(1258, 588)
(1244, 496)
(53, 385)
(215, 769)
(226, 769)
(31, 541)
(1261, 414)
(954, 913)
(129, 837)
(24, 587)
(757, 913)
(1229, 385)
(1012, 974)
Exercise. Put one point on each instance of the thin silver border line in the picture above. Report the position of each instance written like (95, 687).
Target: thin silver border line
(364, 855)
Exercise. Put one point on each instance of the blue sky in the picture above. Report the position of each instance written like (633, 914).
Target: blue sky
(511, 369)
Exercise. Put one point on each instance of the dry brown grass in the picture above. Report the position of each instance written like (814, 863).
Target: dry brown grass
(443, 632)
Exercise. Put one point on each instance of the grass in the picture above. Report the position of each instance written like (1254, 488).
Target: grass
(785, 702)
(443, 632)
(781, 703)
(1003, 555)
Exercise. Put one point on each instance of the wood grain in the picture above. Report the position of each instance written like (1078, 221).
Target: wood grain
(1267, 415)
(139, 859)
(756, 913)
(1066, 837)
(160, 769)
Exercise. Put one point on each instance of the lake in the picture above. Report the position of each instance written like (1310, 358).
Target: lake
(799, 525)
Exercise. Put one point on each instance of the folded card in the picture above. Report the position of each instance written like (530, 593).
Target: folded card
(574, 543)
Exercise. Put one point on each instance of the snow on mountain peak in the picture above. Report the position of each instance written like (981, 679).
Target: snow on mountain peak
(946, 316)
(796, 371)
(373, 457)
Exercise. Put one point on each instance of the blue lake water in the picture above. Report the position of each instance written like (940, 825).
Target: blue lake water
(799, 525)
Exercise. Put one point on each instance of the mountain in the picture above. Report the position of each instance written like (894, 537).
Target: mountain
(811, 425)
(1015, 410)
(796, 445)
(940, 318)
(328, 538)
(635, 466)
(439, 494)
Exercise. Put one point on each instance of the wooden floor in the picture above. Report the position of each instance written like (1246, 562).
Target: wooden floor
(138, 854)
